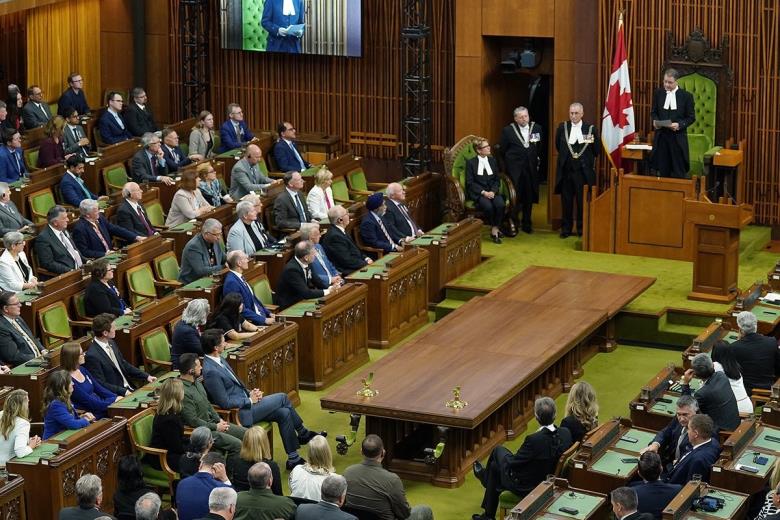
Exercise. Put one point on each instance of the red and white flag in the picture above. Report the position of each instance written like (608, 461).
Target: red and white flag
(617, 122)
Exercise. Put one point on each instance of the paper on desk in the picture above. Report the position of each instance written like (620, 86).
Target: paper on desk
(772, 297)
(638, 147)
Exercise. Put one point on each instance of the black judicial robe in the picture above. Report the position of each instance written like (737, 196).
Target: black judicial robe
(670, 155)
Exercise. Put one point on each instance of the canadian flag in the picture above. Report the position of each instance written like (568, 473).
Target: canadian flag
(617, 123)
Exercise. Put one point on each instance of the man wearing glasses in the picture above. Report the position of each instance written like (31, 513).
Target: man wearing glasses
(234, 133)
(36, 112)
(73, 97)
(203, 254)
(112, 126)
(17, 342)
(288, 159)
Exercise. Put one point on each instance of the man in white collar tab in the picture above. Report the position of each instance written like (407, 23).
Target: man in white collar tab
(672, 113)
(624, 505)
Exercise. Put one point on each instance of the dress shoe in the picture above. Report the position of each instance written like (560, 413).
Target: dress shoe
(291, 463)
(309, 435)
(480, 517)
(528, 229)
(479, 472)
(564, 234)
(496, 239)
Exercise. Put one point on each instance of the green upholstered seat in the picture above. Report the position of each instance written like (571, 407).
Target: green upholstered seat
(255, 37)
(141, 283)
(55, 324)
(54, 107)
(167, 267)
(701, 134)
(185, 147)
(340, 189)
(156, 351)
(155, 213)
(40, 204)
(140, 430)
(359, 184)
(262, 289)
(115, 177)
(31, 158)
(459, 173)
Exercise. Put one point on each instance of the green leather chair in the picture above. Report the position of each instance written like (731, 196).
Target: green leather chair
(341, 192)
(262, 289)
(156, 215)
(140, 430)
(255, 37)
(114, 177)
(143, 286)
(358, 183)
(166, 267)
(55, 324)
(156, 351)
(40, 203)
(31, 158)
(701, 134)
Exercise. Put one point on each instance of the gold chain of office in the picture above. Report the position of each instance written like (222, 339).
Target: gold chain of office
(577, 155)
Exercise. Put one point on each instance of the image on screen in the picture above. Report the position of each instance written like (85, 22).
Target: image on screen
(329, 27)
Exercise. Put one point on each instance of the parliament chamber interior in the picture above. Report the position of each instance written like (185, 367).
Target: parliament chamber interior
(390, 259)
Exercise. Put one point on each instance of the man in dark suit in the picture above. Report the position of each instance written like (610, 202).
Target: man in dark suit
(94, 234)
(297, 281)
(234, 133)
(401, 223)
(333, 495)
(374, 231)
(578, 145)
(89, 490)
(715, 397)
(74, 137)
(10, 217)
(290, 208)
(131, 214)
(321, 267)
(276, 19)
(483, 186)
(73, 97)
(12, 166)
(519, 145)
(652, 494)
(338, 245)
(138, 114)
(194, 493)
(17, 342)
(624, 503)
(522, 472)
(227, 391)
(54, 247)
(174, 156)
(148, 163)
(111, 124)
(670, 156)
(758, 355)
(72, 186)
(287, 156)
(36, 112)
(203, 254)
(106, 363)
(234, 282)
(703, 454)
(672, 442)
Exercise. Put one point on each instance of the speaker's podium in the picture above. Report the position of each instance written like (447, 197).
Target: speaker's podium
(716, 248)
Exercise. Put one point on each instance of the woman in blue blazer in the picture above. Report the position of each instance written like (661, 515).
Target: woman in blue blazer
(88, 394)
(58, 412)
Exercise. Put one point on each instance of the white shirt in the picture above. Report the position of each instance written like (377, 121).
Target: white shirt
(524, 131)
(550, 427)
(575, 135)
(288, 9)
(16, 443)
(306, 484)
(133, 204)
(671, 99)
(738, 389)
(483, 165)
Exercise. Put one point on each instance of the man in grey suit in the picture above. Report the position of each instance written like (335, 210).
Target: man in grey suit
(36, 112)
(203, 256)
(89, 490)
(17, 342)
(246, 176)
(290, 209)
(76, 140)
(148, 164)
(334, 494)
(248, 234)
(10, 218)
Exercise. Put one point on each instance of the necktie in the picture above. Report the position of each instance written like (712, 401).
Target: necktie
(307, 274)
(83, 186)
(119, 121)
(384, 229)
(237, 128)
(175, 155)
(72, 250)
(149, 230)
(299, 208)
(297, 156)
(18, 162)
(408, 218)
(100, 235)
(259, 234)
(253, 172)
(679, 444)
(327, 199)
(110, 352)
(232, 375)
(153, 161)
(323, 262)
(254, 299)
(36, 351)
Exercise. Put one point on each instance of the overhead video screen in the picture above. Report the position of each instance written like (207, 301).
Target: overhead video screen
(329, 27)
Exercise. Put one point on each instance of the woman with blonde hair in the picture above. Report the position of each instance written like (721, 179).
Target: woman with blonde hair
(210, 187)
(582, 410)
(255, 448)
(306, 479)
(188, 201)
(15, 440)
(320, 197)
(202, 137)
(168, 424)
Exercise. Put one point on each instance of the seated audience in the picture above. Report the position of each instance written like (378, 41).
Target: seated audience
(297, 282)
(168, 425)
(624, 503)
(73, 97)
(227, 391)
(15, 103)
(72, 186)
(58, 411)
(188, 203)
(202, 137)
(289, 207)
(138, 115)
(186, 333)
(373, 230)
(256, 448)
(203, 254)
(15, 272)
(400, 222)
(306, 479)
(253, 309)
(175, 158)
(715, 397)
(74, 136)
(192, 493)
(372, 487)
(148, 163)
(36, 111)
(51, 150)
(106, 363)
(11, 219)
(757, 355)
(334, 494)
(321, 268)
(338, 245)
(653, 495)
(703, 454)
(210, 187)
(88, 394)
(672, 442)
(234, 133)
(320, 197)
(130, 487)
(199, 444)
(17, 342)
(246, 176)
(101, 295)
(259, 502)
(94, 234)
(483, 187)
(131, 214)
(15, 440)
(111, 125)
(227, 316)
(248, 234)
(12, 166)
(522, 472)
(288, 159)
(54, 247)
(89, 490)
(582, 410)
(724, 360)
(222, 504)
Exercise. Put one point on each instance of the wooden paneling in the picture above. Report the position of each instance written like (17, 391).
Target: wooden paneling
(510, 18)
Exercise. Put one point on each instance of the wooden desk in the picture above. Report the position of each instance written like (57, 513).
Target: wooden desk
(735, 505)
(332, 335)
(146, 396)
(454, 248)
(31, 377)
(53, 468)
(546, 499)
(397, 295)
(12, 498)
(59, 288)
(39, 179)
(773, 277)
(130, 327)
(768, 315)
(656, 404)
(740, 449)
(181, 234)
(637, 156)
(210, 287)
(108, 155)
(274, 260)
(715, 331)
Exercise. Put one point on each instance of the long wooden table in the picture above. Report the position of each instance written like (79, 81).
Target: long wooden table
(139, 400)
(397, 295)
(502, 351)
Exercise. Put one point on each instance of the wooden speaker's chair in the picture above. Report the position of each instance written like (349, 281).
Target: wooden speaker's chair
(156, 351)
(456, 204)
(139, 428)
